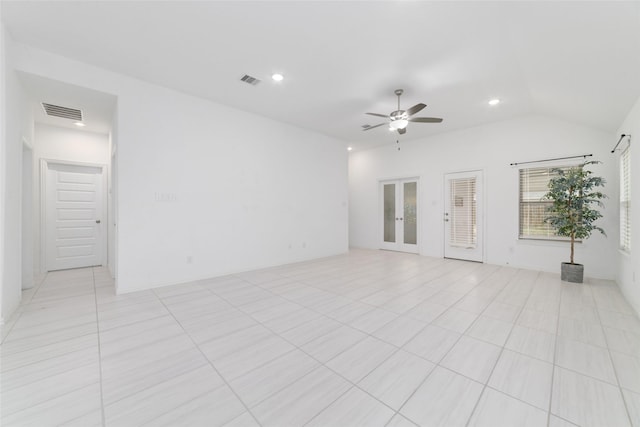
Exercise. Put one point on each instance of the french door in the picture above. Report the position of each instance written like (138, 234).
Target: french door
(399, 207)
(463, 216)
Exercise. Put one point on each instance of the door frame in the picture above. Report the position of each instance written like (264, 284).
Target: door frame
(480, 211)
(399, 246)
(44, 166)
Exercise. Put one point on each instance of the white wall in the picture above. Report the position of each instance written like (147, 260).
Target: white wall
(229, 190)
(27, 194)
(62, 144)
(629, 265)
(57, 143)
(112, 202)
(3, 161)
(490, 148)
(206, 190)
(17, 127)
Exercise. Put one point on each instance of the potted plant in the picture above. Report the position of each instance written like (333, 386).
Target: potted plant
(574, 193)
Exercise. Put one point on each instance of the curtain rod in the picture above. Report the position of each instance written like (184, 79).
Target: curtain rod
(550, 160)
(619, 141)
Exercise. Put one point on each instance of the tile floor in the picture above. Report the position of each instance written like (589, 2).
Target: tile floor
(369, 338)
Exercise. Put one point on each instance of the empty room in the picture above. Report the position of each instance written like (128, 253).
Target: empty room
(319, 213)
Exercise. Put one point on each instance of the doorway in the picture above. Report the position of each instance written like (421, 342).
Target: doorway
(399, 207)
(74, 215)
(463, 220)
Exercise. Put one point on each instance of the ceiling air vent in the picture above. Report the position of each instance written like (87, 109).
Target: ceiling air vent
(249, 79)
(63, 112)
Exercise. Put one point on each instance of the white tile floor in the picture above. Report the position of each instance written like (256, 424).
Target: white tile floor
(369, 338)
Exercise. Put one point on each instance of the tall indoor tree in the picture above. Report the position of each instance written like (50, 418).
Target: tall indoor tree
(574, 194)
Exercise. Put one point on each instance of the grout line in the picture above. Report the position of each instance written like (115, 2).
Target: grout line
(207, 359)
(555, 355)
(437, 364)
(321, 364)
(95, 295)
(20, 309)
(502, 348)
(312, 269)
(615, 369)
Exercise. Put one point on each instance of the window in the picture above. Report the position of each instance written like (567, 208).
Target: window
(625, 200)
(534, 184)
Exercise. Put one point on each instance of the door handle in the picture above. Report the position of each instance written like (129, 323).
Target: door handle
(97, 221)
(446, 220)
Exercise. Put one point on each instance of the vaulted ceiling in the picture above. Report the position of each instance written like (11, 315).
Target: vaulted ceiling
(578, 61)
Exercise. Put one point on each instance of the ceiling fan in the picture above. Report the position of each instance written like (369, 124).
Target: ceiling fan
(399, 119)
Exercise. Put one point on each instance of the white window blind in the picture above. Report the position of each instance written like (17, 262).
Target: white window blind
(463, 213)
(534, 184)
(625, 200)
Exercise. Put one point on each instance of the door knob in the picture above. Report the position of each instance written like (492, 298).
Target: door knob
(97, 221)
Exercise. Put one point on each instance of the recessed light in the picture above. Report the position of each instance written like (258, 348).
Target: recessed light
(79, 124)
(277, 77)
(494, 101)
(349, 148)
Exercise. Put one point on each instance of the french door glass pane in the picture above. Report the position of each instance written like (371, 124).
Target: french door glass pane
(410, 213)
(390, 213)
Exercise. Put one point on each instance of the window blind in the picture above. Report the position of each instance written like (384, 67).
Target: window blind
(534, 184)
(463, 213)
(625, 199)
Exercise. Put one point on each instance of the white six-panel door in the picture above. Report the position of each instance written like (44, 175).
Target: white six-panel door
(75, 226)
(463, 229)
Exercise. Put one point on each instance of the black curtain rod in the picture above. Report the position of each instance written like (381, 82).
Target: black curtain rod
(619, 141)
(550, 160)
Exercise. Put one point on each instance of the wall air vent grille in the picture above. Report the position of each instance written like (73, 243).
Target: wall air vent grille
(63, 112)
(249, 79)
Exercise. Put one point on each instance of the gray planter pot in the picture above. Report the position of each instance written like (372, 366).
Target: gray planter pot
(573, 273)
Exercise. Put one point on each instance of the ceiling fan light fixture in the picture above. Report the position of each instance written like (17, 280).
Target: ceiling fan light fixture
(398, 124)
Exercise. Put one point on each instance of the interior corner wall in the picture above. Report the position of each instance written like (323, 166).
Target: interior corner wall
(490, 148)
(3, 157)
(65, 145)
(113, 199)
(17, 127)
(205, 190)
(628, 277)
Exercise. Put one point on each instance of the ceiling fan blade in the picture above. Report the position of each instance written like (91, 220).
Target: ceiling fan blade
(425, 119)
(374, 126)
(416, 108)
(386, 116)
(402, 131)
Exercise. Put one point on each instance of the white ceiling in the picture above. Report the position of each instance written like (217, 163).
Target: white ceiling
(578, 61)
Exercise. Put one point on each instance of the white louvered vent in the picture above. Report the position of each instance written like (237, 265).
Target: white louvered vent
(250, 79)
(63, 112)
